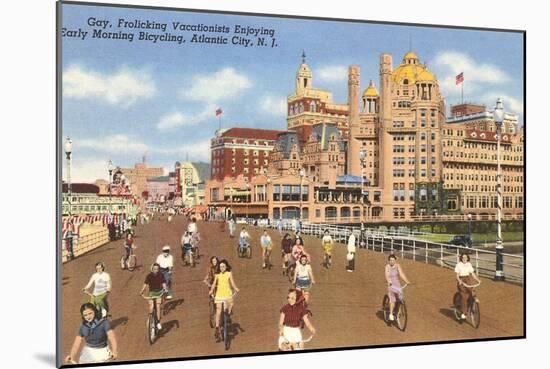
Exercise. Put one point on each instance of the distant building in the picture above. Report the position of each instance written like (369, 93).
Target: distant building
(138, 176)
(241, 151)
(85, 199)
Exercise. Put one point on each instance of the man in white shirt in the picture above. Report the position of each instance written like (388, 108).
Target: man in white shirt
(166, 263)
(267, 246)
(192, 227)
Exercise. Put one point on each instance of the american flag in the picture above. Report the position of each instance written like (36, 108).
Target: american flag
(459, 78)
(219, 111)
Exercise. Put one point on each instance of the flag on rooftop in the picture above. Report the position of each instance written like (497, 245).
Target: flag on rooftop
(459, 78)
(219, 111)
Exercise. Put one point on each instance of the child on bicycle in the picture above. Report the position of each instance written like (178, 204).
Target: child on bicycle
(290, 335)
(464, 275)
(157, 287)
(393, 273)
(223, 285)
(96, 335)
(166, 263)
(328, 244)
(267, 246)
(244, 239)
(185, 244)
(195, 240)
(102, 287)
(286, 249)
(128, 247)
(303, 277)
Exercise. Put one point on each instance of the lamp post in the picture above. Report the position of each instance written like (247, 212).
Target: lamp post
(68, 152)
(302, 175)
(498, 116)
(110, 167)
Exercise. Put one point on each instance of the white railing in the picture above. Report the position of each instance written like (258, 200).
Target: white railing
(404, 242)
(84, 244)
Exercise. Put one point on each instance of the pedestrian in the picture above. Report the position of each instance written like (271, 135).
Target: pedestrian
(280, 225)
(351, 253)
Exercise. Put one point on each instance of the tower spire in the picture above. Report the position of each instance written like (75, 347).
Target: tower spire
(303, 56)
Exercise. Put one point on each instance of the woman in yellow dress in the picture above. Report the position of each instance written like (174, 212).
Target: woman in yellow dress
(225, 286)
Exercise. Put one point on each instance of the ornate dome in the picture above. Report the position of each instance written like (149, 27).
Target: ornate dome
(371, 91)
(411, 71)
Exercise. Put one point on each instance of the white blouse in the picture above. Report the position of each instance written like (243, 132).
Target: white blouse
(464, 269)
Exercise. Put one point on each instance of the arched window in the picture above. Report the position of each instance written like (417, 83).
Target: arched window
(301, 107)
(312, 107)
(405, 81)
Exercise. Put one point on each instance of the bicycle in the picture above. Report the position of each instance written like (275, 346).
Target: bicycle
(225, 324)
(267, 260)
(211, 307)
(473, 307)
(286, 345)
(152, 321)
(129, 262)
(399, 310)
(104, 310)
(244, 250)
(289, 270)
(187, 256)
(327, 261)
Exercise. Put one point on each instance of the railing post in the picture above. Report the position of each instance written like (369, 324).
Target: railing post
(477, 261)
(414, 250)
(382, 245)
(426, 252)
(441, 256)
(402, 247)
(391, 244)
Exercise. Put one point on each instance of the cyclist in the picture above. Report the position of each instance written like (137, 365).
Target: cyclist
(102, 287)
(211, 271)
(157, 286)
(303, 277)
(393, 272)
(223, 284)
(166, 263)
(192, 227)
(298, 235)
(286, 249)
(185, 245)
(267, 246)
(289, 324)
(464, 275)
(244, 239)
(94, 337)
(328, 244)
(128, 247)
(298, 250)
(195, 241)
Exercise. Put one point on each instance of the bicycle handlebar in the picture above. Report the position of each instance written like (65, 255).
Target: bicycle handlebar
(286, 340)
(153, 298)
(472, 286)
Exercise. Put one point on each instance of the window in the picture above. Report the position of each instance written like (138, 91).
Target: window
(423, 172)
(423, 194)
(422, 148)
(423, 136)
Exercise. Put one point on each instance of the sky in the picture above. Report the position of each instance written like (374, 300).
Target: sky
(122, 100)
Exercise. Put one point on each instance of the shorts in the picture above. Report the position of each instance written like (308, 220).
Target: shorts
(268, 247)
(94, 355)
(186, 248)
(290, 335)
(327, 248)
(303, 283)
(155, 294)
(220, 299)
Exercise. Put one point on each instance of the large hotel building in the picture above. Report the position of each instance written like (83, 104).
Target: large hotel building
(383, 156)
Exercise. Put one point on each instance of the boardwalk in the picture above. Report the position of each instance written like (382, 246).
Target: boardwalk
(345, 305)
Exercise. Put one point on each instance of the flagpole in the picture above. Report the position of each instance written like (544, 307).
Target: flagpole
(462, 91)
(220, 122)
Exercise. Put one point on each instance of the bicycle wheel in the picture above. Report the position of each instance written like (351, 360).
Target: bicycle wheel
(249, 252)
(212, 313)
(386, 308)
(123, 262)
(456, 306)
(401, 316)
(290, 273)
(475, 315)
(191, 261)
(226, 329)
(151, 329)
(132, 261)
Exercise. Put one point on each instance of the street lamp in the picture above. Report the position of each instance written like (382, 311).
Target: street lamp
(68, 152)
(302, 175)
(362, 157)
(110, 167)
(498, 116)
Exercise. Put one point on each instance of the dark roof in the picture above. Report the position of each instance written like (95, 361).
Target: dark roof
(81, 188)
(254, 133)
(159, 179)
(329, 130)
(285, 141)
(349, 179)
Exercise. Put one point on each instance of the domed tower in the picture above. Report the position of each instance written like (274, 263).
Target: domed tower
(303, 76)
(370, 99)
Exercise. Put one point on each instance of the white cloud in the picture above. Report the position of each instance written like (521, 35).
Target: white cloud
(118, 143)
(123, 87)
(86, 170)
(273, 105)
(476, 74)
(181, 119)
(223, 84)
(197, 151)
(332, 73)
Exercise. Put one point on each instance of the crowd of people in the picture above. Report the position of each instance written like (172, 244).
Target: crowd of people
(96, 341)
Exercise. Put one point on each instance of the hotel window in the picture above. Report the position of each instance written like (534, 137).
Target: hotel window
(246, 152)
(276, 192)
(433, 148)
(423, 172)
(255, 153)
(433, 159)
(411, 195)
(245, 170)
(255, 161)
(422, 148)
(433, 136)
(423, 160)
(423, 136)
(246, 161)
(423, 194)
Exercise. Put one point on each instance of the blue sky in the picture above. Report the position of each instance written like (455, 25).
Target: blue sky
(123, 100)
